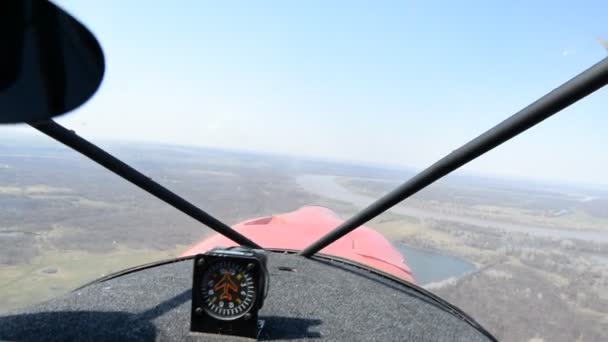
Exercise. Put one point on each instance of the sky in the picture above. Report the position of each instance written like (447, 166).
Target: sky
(401, 83)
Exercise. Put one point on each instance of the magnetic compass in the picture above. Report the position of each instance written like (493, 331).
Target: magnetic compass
(228, 290)
(229, 287)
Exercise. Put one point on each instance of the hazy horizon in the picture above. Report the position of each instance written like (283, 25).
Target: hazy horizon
(108, 143)
(401, 83)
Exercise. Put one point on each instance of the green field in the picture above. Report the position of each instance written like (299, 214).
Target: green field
(57, 272)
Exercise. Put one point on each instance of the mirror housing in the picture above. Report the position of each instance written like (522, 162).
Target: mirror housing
(50, 63)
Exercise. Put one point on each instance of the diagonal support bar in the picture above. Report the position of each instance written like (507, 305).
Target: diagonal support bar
(71, 139)
(577, 88)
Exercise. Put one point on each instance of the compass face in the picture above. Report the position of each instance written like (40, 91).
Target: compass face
(228, 290)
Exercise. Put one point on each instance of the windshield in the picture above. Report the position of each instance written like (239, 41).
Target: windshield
(250, 110)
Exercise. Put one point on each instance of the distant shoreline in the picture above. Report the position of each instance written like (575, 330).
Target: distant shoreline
(326, 186)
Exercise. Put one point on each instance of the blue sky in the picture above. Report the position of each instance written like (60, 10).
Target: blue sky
(386, 82)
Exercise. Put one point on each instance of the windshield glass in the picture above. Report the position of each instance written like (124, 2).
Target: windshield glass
(255, 109)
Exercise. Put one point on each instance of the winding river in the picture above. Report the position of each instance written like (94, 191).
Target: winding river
(326, 186)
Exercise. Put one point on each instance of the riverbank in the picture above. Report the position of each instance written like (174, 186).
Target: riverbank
(328, 186)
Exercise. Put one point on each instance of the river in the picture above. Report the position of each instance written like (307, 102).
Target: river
(326, 186)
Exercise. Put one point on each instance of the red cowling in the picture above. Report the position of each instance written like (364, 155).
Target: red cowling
(297, 229)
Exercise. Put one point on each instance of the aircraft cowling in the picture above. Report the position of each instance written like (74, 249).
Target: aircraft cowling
(297, 229)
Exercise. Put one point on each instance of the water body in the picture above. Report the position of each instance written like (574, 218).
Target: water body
(13, 234)
(429, 267)
(326, 186)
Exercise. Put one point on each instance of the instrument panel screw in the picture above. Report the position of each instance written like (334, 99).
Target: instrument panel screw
(200, 262)
(247, 315)
(250, 267)
(198, 311)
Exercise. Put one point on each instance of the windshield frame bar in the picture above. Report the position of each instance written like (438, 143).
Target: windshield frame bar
(561, 97)
(115, 165)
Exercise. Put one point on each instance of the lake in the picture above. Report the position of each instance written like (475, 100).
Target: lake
(429, 266)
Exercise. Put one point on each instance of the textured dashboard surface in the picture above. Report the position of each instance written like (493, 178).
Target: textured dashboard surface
(314, 299)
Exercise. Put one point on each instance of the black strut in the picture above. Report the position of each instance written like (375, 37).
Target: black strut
(568, 93)
(71, 139)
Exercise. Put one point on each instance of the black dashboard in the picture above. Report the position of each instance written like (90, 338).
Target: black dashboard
(307, 299)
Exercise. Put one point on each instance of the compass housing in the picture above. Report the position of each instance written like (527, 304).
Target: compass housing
(228, 289)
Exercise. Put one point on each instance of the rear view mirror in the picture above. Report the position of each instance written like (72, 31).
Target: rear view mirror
(49, 62)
